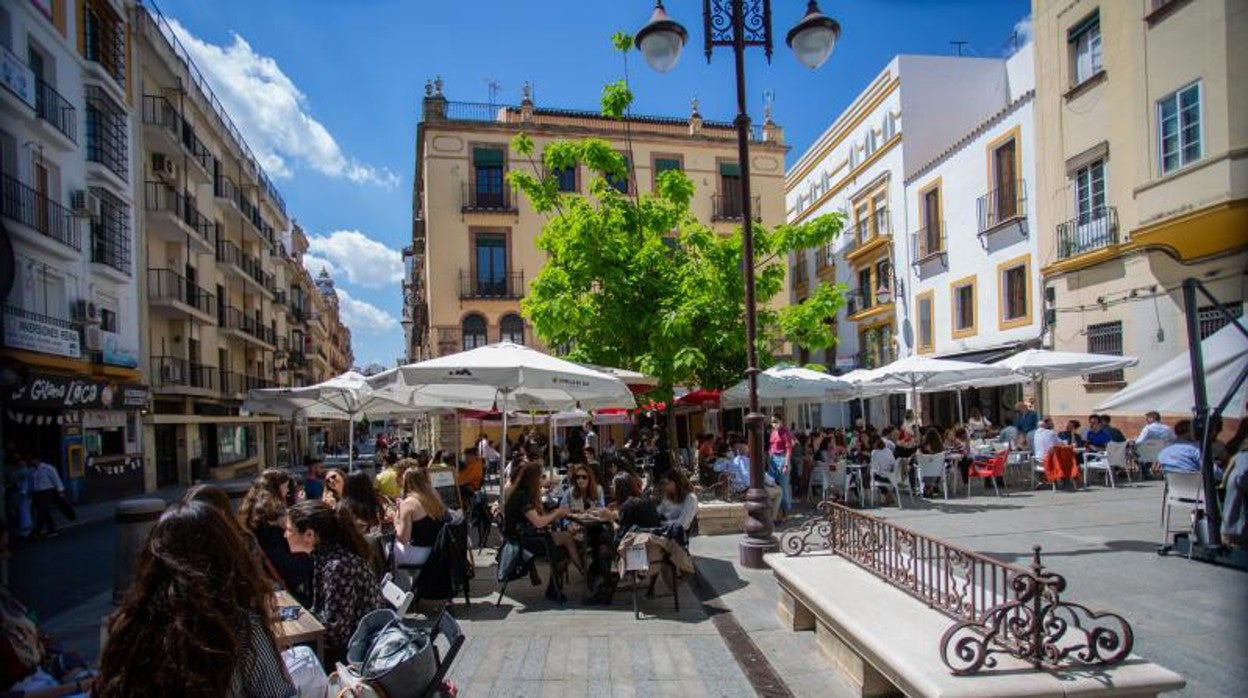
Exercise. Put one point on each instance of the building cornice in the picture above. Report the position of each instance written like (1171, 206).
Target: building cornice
(837, 133)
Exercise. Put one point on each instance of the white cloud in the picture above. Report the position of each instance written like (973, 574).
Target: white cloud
(315, 264)
(272, 112)
(363, 317)
(1021, 36)
(361, 259)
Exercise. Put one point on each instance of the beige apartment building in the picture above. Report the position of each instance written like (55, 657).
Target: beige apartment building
(474, 248)
(1142, 122)
(227, 303)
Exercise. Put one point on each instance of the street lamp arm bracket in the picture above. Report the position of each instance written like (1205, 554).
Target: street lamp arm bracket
(717, 16)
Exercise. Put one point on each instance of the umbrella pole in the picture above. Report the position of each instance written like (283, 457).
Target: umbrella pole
(504, 442)
(351, 442)
(961, 420)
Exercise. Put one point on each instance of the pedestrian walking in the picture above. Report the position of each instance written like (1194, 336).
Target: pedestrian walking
(47, 493)
(19, 501)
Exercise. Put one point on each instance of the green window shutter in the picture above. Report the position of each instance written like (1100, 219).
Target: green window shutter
(729, 169)
(662, 165)
(487, 157)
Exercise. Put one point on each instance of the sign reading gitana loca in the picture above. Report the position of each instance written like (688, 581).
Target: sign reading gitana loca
(49, 391)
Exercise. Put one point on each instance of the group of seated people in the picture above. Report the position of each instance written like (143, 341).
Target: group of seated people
(576, 523)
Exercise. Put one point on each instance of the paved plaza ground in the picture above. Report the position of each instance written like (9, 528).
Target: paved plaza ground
(727, 641)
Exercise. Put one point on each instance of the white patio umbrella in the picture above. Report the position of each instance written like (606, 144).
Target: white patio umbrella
(860, 378)
(342, 397)
(513, 375)
(1168, 388)
(784, 383)
(916, 373)
(1037, 366)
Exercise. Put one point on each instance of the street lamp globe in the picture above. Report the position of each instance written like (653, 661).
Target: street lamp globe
(661, 40)
(813, 38)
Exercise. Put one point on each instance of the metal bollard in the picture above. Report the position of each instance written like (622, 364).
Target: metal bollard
(135, 519)
(236, 492)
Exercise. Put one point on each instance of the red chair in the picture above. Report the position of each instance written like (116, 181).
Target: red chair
(992, 468)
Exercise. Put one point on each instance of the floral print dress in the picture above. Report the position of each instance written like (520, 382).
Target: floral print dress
(344, 590)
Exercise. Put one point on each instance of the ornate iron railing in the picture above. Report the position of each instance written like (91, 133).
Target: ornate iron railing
(999, 608)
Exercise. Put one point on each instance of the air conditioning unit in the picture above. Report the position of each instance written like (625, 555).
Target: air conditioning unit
(86, 311)
(84, 203)
(91, 337)
(164, 167)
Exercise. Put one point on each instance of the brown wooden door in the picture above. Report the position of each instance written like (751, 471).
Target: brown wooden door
(1006, 184)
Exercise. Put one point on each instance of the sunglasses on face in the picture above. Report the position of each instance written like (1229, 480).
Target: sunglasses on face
(582, 478)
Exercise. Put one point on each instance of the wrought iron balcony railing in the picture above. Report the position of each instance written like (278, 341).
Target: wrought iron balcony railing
(481, 200)
(727, 207)
(173, 371)
(39, 212)
(1005, 203)
(167, 284)
(505, 285)
(56, 110)
(1088, 232)
(928, 243)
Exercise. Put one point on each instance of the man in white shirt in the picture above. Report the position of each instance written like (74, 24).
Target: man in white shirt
(1154, 429)
(45, 489)
(1044, 439)
(591, 436)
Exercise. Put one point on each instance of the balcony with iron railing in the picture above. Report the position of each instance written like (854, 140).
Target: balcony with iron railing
(248, 324)
(40, 213)
(56, 110)
(927, 244)
(108, 133)
(1088, 232)
(727, 207)
(800, 274)
(196, 150)
(859, 300)
(158, 111)
(868, 234)
(162, 198)
(169, 286)
(224, 188)
(173, 374)
(479, 200)
(480, 112)
(1002, 205)
(505, 285)
(110, 244)
(104, 40)
(876, 357)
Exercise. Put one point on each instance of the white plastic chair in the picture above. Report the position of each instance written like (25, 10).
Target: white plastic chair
(891, 478)
(1146, 452)
(931, 466)
(1182, 490)
(821, 474)
(1114, 456)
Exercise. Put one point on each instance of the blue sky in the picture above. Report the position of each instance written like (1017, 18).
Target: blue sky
(327, 92)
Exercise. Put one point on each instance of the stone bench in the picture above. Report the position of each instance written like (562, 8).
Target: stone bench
(885, 642)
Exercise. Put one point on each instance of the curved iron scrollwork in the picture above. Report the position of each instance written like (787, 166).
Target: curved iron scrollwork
(817, 534)
(1038, 627)
(717, 19)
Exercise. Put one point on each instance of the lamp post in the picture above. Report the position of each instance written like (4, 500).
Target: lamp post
(739, 24)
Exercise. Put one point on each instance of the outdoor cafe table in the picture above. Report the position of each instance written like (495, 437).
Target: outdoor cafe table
(305, 629)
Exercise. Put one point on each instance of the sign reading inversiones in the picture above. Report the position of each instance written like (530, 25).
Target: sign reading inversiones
(47, 391)
(36, 335)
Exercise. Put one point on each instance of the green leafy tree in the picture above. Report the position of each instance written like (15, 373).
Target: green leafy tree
(636, 281)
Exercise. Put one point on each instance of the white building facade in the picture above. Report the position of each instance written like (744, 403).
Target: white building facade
(976, 286)
(906, 117)
(71, 323)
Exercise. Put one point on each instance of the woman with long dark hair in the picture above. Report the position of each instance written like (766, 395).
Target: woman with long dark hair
(679, 505)
(263, 514)
(344, 586)
(335, 483)
(526, 520)
(584, 492)
(360, 498)
(199, 619)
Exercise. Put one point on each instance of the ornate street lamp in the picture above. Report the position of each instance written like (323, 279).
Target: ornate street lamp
(739, 24)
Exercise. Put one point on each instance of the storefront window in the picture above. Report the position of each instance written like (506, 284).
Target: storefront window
(234, 443)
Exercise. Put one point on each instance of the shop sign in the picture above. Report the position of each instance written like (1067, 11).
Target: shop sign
(30, 333)
(114, 353)
(47, 391)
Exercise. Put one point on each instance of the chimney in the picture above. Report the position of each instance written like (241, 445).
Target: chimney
(434, 104)
(695, 119)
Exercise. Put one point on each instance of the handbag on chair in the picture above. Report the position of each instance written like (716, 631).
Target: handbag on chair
(392, 653)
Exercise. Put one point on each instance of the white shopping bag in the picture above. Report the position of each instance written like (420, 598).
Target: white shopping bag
(306, 671)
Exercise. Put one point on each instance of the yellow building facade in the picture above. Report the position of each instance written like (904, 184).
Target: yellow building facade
(474, 248)
(1142, 178)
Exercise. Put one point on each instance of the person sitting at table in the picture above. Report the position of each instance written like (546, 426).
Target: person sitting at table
(1184, 456)
(216, 497)
(419, 520)
(362, 501)
(1045, 438)
(526, 520)
(931, 445)
(263, 514)
(199, 619)
(1009, 433)
(958, 443)
(335, 483)
(1098, 437)
(679, 505)
(977, 424)
(584, 493)
(344, 583)
(1154, 429)
(1070, 435)
(883, 462)
(630, 509)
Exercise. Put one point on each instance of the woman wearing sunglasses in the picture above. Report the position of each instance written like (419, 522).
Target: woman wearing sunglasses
(585, 493)
(335, 485)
